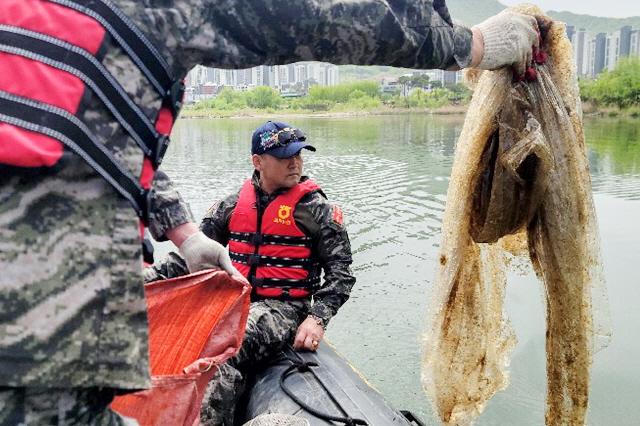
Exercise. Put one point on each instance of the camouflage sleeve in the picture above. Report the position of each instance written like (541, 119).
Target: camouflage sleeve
(172, 266)
(168, 209)
(215, 223)
(245, 33)
(333, 248)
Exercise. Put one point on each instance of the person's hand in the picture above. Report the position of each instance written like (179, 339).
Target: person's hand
(505, 39)
(201, 252)
(309, 335)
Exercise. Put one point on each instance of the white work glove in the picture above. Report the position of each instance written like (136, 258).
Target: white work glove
(509, 38)
(201, 252)
(149, 274)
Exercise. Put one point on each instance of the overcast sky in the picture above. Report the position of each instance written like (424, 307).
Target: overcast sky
(612, 8)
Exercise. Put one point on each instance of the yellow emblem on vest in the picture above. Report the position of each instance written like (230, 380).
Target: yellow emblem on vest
(284, 213)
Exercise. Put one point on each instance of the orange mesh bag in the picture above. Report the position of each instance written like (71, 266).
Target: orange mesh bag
(196, 323)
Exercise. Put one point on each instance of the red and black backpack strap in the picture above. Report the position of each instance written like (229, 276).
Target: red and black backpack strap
(59, 124)
(138, 47)
(35, 42)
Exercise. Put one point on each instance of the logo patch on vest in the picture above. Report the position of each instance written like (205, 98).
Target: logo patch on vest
(284, 215)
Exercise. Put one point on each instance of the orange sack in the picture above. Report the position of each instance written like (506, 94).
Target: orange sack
(196, 323)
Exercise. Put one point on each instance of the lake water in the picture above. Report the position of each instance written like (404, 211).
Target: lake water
(390, 175)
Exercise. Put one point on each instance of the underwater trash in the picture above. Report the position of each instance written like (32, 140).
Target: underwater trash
(520, 185)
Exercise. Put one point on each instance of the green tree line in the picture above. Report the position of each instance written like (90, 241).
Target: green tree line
(352, 96)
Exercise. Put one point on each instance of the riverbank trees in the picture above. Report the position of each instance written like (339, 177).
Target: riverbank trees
(355, 96)
(619, 88)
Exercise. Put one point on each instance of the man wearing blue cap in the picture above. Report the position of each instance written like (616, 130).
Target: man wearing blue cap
(282, 233)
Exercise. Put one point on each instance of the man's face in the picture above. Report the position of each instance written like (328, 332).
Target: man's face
(278, 172)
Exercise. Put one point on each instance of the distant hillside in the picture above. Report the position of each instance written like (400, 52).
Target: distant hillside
(595, 24)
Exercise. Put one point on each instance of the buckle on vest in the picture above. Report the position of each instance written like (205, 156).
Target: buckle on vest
(144, 205)
(175, 96)
(256, 239)
(161, 148)
(147, 251)
(253, 259)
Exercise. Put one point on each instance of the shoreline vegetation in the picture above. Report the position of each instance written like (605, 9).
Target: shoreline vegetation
(590, 110)
(344, 100)
(207, 113)
(613, 94)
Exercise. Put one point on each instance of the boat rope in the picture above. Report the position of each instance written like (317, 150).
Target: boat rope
(300, 366)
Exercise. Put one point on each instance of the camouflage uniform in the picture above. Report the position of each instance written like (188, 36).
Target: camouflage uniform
(270, 326)
(83, 406)
(272, 323)
(72, 310)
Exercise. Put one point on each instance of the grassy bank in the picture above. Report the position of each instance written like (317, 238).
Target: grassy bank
(591, 109)
(271, 112)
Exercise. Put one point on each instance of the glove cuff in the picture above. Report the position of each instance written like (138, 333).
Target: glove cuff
(186, 244)
(496, 43)
(192, 252)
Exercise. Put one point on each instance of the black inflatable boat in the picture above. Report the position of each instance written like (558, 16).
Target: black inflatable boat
(323, 388)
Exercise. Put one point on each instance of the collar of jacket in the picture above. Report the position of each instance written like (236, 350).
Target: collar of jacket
(255, 180)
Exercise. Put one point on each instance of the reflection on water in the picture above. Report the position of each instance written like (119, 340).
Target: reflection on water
(390, 176)
(615, 157)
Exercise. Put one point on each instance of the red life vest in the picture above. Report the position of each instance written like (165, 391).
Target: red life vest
(49, 56)
(269, 249)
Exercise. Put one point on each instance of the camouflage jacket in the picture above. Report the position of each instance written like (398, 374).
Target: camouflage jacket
(314, 216)
(72, 310)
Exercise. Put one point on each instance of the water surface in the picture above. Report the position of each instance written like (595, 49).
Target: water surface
(390, 175)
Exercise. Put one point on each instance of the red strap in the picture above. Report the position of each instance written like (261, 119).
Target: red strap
(164, 123)
(298, 292)
(147, 174)
(23, 148)
(281, 272)
(242, 268)
(54, 20)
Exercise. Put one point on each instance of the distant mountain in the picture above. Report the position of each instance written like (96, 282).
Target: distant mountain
(595, 24)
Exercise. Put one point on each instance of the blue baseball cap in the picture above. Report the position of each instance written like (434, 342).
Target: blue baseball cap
(278, 139)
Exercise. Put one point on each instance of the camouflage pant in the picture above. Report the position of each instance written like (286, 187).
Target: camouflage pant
(42, 406)
(270, 326)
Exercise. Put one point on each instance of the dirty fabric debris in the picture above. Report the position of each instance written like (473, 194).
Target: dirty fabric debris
(520, 184)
